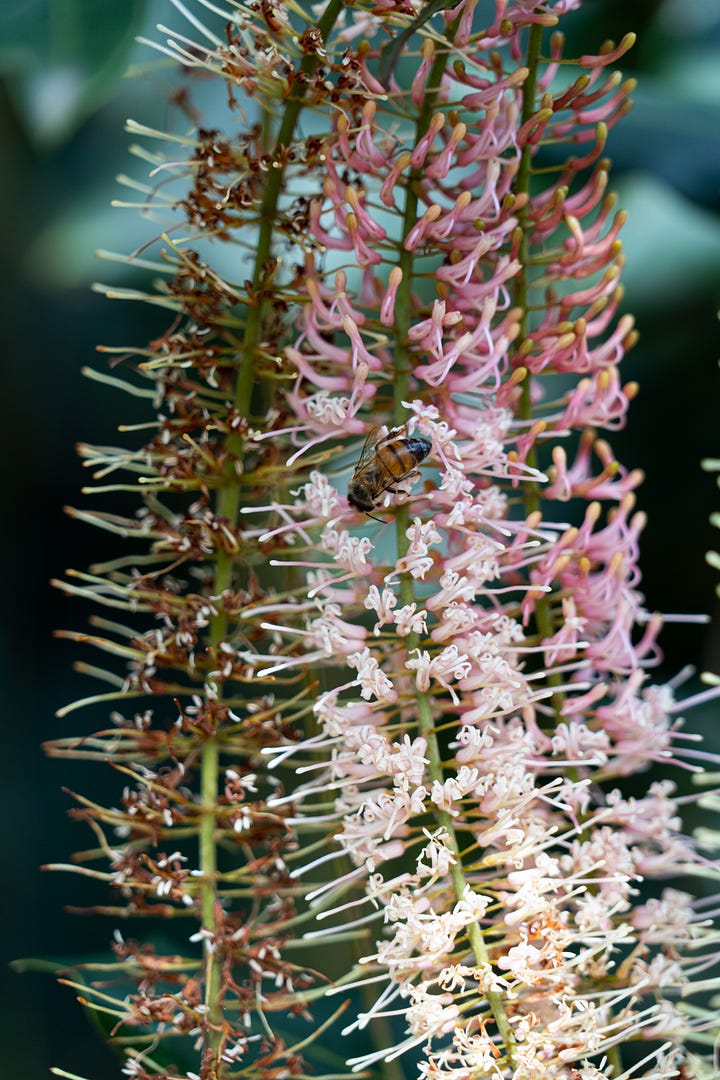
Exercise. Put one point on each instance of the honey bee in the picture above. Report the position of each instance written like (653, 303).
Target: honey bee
(385, 461)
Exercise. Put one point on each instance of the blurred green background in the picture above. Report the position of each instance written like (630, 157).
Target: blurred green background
(63, 103)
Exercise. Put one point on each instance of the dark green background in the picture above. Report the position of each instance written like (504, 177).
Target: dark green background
(62, 107)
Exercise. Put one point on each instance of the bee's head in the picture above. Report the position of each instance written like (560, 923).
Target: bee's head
(359, 497)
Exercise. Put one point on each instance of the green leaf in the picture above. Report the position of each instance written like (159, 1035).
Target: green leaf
(673, 247)
(694, 76)
(392, 52)
(62, 59)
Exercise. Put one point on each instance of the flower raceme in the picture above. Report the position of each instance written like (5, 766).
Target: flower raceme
(408, 735)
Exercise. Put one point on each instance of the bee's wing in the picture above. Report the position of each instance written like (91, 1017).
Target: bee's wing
(373, 437)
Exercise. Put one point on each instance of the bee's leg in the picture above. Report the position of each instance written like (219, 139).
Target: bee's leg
(392, 433)
(411, 477)
(403, 486)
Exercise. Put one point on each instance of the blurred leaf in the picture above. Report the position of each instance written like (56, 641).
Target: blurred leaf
(694, 76)
(688, 17)
(392, 52)
(673, 130)
(64, 254)
(673, 246)
(19, 26)
(62, 59)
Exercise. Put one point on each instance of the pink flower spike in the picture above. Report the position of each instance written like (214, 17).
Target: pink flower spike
(533, 129)
(611, 55)
(392, 573)
(370, 678)
(365, 145)
(492, 92)
(342, 127)
(370, 82)
(418, 561)
(417, 90)
(598, 136)
(597, 402)
(371, 230)
(342, 243)
(440, 166)
(387, 308)
(612, 109)
(418, 155)
(417, 234)
(387, 190)
(359, 351)
(365, 255)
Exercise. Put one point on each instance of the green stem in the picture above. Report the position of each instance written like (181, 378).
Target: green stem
(227, 506)
(522, 187)
(426, 725)
(268, 211)
(403, 299)
(209, 766)
(531, 497)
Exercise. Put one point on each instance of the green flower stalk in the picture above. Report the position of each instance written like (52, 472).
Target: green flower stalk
(376, 702)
